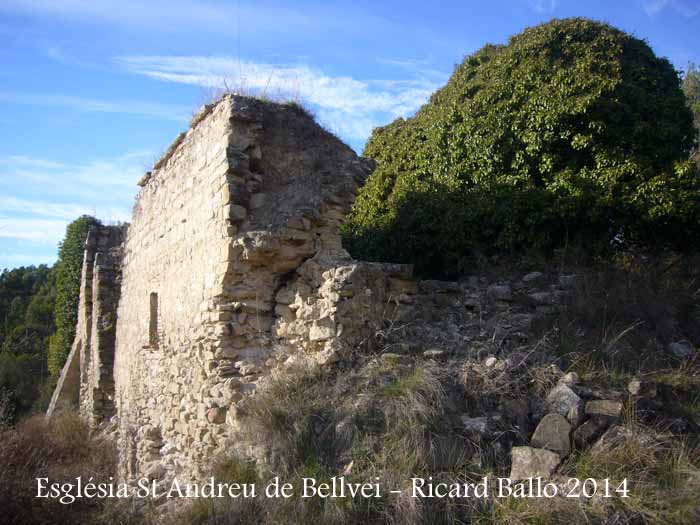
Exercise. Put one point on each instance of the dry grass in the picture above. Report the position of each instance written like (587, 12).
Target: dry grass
(60, 450)
(381, 420)
(621, 317)
(6, 409)
(290, 98)
(663, 475)
(396, 418)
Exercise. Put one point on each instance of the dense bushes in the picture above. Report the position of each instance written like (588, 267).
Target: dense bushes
(691, 89)
(572, 130)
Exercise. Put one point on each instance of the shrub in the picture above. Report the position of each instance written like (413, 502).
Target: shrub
(18, 378)
(61, 450)
(620, 318)
(572, 130)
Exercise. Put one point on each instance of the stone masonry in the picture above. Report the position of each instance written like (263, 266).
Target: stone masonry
(184, 312)
(88, 376)
(232, 269)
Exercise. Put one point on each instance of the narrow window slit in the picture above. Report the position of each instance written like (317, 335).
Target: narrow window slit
(153, 321)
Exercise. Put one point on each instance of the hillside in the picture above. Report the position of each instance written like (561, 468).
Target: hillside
(493, 317)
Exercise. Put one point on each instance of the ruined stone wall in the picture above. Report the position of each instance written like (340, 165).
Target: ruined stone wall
(233, 269)
(238, 203)
(173, 256)
(87, 377)
(98, 353)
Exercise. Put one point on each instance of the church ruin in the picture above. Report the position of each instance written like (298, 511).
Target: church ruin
(232, 265)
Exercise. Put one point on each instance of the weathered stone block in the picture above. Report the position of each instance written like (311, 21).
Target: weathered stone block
(553, 433)
(531, 462)
(561, 399)
(604, 407)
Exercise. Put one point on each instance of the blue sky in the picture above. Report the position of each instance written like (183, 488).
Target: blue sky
(92, 91)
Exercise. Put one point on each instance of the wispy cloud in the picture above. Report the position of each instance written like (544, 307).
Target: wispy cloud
(687, 10)
(39, 197)
(35, 163)
(350, 105)
(58, 55)
(89, 181)
(41, 230)
(128, 107)
(653, 7)
(543, 6)
(64, 211)
(194, 16)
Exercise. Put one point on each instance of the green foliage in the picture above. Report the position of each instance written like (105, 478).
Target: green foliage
(68, 269)
(26, 323)
(691, 89)
(18, 377)
(26, 303)
(572, 130)
(38, 314)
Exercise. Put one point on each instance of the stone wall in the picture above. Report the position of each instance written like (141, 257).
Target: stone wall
(173, 256)
(87, 377)
(236, 205)
(232, 269)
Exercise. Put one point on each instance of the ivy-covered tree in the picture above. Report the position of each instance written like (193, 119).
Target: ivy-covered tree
(68, 270)
(573, 130)
(691, 89)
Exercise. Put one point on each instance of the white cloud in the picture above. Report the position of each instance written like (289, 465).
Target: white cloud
(37, 230)
(544, 6)
(191, 16)
(342, 99)
(66, 211)
(88, 182)
(129, 107)
(654, 7)
(40, 197)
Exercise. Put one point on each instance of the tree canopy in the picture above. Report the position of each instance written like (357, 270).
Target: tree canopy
(26, 315)
(574, 129)
(38, 314)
